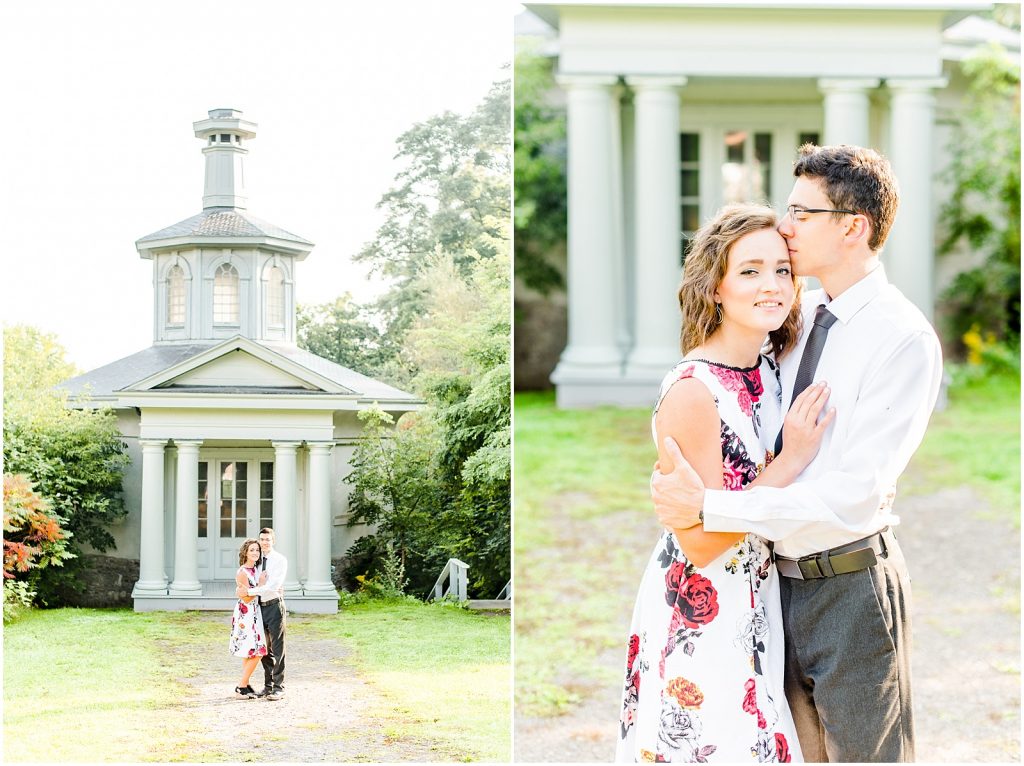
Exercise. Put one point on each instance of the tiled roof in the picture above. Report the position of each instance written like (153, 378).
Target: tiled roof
(104, 382)
(225, 222)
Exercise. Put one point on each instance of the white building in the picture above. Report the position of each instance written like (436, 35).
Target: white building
(676, 108)
(229, 425)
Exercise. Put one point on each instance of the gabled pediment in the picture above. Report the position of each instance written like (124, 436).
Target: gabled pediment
(239, 365)
(237, 369)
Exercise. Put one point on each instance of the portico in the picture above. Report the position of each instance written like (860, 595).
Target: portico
(676, 108)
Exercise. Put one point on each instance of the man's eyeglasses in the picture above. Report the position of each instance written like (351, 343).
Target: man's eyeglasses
(793, 211)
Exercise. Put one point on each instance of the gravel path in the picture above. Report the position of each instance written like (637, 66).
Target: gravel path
(966, 579)
(322, 716)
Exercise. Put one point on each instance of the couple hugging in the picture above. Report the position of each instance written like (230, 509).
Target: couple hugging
(258, 622)
(773, 618)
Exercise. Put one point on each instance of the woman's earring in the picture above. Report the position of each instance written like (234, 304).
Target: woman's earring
(718, 313)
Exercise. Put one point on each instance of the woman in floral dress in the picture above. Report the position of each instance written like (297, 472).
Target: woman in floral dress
(704, 668)
(247, 637)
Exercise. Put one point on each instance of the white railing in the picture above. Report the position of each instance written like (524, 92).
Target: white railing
(506, 592)
(457, 575)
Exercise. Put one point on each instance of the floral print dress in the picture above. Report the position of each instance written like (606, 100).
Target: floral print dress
(704, 667)
(247, 636)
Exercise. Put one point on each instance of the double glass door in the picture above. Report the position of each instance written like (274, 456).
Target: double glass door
(235, 502)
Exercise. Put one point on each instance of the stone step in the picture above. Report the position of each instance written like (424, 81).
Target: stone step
(490, 604)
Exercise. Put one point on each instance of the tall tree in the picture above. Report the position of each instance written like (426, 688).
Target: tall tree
(452, 196)
(74, 456)
(342, 331)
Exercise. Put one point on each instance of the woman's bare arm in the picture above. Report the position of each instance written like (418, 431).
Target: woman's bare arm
(689, 415)
(243, 582)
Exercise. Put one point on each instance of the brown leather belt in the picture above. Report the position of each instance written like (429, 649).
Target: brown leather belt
(852, 557)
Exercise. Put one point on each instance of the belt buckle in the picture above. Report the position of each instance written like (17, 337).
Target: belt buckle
(810, 569)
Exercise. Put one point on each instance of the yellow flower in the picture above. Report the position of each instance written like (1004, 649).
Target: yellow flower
(686, 692)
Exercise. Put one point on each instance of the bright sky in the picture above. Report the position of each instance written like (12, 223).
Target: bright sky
(99, 101)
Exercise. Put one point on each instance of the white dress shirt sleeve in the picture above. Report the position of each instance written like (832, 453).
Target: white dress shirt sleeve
(277, 567)
(886, 426)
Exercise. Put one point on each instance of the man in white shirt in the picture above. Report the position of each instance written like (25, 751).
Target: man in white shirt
(845, 588)
(271, 596)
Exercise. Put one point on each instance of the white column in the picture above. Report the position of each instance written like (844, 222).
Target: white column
(170, 503)
(847, 110)
(318, 580)
(591, 353)
(658, 227)
(910, 250)
(152, 579)
(186, 521)
(286, 528)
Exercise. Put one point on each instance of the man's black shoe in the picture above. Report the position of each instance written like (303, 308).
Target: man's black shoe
(264, 692)
(276, 694)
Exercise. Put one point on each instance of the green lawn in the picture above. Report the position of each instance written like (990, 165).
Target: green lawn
(444, 672)
(580, 475)
(975, 441)
(574, 469)
(103, 680)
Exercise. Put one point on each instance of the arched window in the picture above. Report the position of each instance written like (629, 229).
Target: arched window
(275, 297)
(176, 297)
(225, 295)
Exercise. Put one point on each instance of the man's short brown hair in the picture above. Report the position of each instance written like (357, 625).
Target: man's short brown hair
(854, 178)
(268, 531)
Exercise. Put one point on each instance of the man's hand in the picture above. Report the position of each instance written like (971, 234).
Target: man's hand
(263, 579)
(678, 496)
(241, 591)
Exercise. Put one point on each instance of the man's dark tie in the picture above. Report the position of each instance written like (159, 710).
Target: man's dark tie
(823, 319)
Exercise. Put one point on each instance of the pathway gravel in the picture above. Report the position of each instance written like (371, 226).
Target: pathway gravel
(965, 569)
(323, 716)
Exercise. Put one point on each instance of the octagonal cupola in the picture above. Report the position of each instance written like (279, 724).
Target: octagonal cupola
(223, 272)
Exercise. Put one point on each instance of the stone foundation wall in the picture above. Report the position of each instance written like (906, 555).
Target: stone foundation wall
(108, 582)
(541, 324)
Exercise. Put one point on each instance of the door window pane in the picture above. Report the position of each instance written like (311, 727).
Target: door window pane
(734, 182)
(688, 183)
(810, 137)
(266, 494)
(746, 172)
(689, 186)
(689, 147)
(203, 467)
(762, 175)
(233, 485)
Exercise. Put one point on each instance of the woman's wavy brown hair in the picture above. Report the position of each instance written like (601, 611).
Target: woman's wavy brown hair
(243, 549)
(705, 268)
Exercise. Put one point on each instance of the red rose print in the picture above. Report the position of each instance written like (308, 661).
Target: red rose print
(750, 698)
(673, 579)
(243, 609)
(697, 601)
(782, 749)
(634, 650)
(746, 385)
(686, 372)
(732, 475)
(676, 622)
